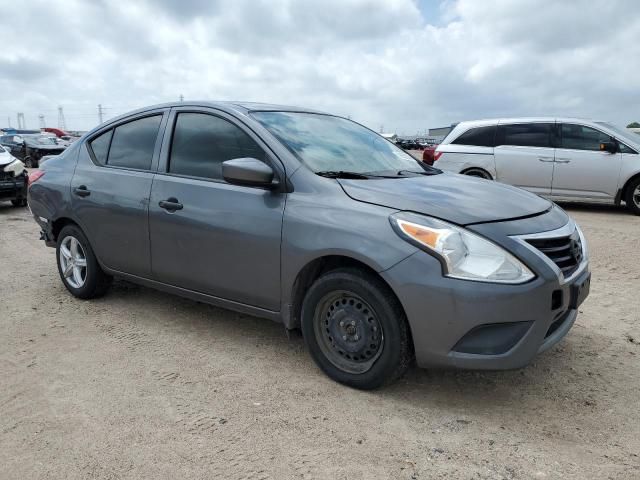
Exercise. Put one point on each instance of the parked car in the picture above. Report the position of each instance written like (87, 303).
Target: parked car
(13, 179)
(565, 159)
(30, 148)
(315, 221)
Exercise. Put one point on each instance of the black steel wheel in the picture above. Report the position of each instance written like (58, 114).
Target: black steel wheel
(355, 329)
(632, 198)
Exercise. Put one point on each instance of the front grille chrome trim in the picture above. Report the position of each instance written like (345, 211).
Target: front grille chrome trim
(565, 231)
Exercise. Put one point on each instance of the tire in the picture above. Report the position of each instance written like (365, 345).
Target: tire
(632, 196)
(19, 202)
(479, 173)
(30, 162)
(94, 281)
(375, 335)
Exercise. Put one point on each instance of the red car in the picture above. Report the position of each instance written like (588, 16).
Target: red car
(428, 154)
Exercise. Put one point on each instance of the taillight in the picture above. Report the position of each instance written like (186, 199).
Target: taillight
(436, 156)
(34, 176)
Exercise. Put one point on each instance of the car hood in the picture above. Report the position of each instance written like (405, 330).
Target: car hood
(456, 198)
(5, 158)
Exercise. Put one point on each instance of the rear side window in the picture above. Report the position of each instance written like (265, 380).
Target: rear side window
(133, 143)
(201, 142)
(100, 147)
(579, 137)
(480, 136)
(526, 134)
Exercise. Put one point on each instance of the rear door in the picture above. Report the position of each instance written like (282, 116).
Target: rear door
(582, 170)
(111, 187)
(225, 239)
(524, 155)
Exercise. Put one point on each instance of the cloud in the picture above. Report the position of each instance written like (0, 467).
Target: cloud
(407, 65)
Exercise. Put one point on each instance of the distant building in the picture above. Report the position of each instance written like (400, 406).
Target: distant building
(440, 132)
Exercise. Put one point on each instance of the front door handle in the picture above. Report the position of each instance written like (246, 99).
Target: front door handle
(546, 159)
(171, 204)
(82, 191)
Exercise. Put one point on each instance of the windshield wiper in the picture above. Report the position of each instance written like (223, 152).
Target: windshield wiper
(344, 174)
(434, 171)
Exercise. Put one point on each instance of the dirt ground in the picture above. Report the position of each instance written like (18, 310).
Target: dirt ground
(140, 384)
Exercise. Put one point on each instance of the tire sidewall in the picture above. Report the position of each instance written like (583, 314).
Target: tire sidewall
(93, 268)
(388, 316)
(629, 197)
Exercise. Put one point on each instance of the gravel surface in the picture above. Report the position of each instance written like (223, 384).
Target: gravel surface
(140, 384)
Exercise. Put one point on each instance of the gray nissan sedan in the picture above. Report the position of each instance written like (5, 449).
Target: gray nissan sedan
(317, 222)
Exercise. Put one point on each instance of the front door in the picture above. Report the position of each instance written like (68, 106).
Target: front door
(524, 155)
(582, 170)
(225, 239)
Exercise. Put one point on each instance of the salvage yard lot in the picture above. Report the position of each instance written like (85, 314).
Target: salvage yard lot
(140, 384)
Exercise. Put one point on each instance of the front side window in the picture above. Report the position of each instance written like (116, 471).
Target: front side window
(526, 134)
(325, 143)
(579, 137)
(133, 143)
(201, 142)
(479, 136)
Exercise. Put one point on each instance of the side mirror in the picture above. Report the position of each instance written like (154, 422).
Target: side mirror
(248, 171)
(611, 147)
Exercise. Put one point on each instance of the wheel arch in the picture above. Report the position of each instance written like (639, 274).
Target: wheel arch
(313, 270)
(623, 191)
(485, 172)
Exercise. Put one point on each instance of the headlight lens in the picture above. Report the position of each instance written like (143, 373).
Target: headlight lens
(17, 167)
(464, 254)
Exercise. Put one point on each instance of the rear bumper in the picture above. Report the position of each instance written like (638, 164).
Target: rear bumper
(474, 325)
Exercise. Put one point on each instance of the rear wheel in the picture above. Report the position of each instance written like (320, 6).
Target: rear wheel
(78, 266)
(355, 329)
(632, 198)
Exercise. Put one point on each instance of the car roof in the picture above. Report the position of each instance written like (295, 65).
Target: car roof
(496, 121)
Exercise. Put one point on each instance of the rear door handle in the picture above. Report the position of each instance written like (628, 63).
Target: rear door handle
(563, 160)
(171, 204)
(82, 191)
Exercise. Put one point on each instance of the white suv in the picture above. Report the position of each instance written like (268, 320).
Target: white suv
(566, 159)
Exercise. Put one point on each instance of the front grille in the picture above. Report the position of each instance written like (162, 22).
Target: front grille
(6, 175)
(565, 252)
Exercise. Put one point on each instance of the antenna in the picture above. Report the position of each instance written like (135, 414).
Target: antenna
(61, 123)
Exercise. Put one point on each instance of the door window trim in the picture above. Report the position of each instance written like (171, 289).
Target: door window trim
(165, 157)
(112, 126)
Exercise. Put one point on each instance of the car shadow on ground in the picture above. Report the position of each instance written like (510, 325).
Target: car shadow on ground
(553, 374)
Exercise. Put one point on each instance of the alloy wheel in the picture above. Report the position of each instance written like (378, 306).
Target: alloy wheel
(73, 262)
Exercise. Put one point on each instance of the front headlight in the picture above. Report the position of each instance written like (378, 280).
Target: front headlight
(17, 167)
(464, 255)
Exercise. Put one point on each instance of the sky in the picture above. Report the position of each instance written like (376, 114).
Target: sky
(402, 66)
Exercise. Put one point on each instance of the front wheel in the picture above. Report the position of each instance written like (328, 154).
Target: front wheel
(632, 198)
(355, 329)
(479, 173)
(77, 264)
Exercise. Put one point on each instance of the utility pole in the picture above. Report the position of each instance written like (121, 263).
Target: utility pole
(62, 125)
(22, 125)
(42, 122)
(100, 113)
(381, 128)
(181, 98)
(9, 120)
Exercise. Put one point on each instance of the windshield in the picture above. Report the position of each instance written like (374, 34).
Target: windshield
(623, 133)
(325, 143)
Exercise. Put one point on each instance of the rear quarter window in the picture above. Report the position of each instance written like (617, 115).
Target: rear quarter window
(478, 136)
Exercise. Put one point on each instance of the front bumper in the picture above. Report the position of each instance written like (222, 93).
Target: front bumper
(12, 188)
(475, 325)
